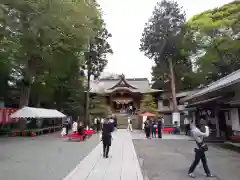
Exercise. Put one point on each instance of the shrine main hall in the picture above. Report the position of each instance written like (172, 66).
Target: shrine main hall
(121, 92)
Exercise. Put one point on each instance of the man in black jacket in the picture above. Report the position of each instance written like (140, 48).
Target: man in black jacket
(106, 137)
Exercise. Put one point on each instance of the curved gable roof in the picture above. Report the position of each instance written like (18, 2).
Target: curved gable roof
(122, 83)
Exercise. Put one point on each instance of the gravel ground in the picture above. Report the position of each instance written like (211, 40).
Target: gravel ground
(47, 157)
(169, 159)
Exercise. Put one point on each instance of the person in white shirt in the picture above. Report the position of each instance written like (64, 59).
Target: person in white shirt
(74, 126)
(101, 123)
(129, 124)
(130, 109)
(95, 123)
(186, 126)
(200, 150)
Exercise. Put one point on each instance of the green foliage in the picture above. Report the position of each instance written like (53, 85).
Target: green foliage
(148, 104)
(42, 50)
(99, 48)
(99, 107)
(165, 37)
(217, 37)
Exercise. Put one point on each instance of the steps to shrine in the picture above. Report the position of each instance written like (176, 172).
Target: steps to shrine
(122, 119)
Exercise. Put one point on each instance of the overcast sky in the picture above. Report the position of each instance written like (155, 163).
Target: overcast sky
(125, 19)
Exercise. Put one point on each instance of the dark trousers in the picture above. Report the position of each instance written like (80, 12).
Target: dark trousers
(67, 129)
(199, 155)
(147, 132)
(187, 129)
(106, 147)
(159, 133)
(154, 132)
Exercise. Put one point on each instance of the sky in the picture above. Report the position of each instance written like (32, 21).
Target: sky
(125, 20)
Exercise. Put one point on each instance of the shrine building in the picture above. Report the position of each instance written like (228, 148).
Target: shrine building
(120, 92)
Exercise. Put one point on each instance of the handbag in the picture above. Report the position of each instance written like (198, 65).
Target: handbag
(202, 146)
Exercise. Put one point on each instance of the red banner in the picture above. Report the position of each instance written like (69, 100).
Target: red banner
(5, 115)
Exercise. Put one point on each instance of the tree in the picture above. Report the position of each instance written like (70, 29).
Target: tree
(217, 35)
(148, 104)
(42, 47)
(162, 38)
(99, 107)
(96, 58)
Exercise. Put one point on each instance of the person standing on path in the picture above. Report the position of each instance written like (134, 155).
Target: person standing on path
(159, 126)
(129, 124)
(186, 126)
(154, 129)
(74, 126)
(106, 137)
(147, 128)
(200, 150)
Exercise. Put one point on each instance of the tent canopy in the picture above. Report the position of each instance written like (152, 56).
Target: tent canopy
(147, 114)
(30, 112)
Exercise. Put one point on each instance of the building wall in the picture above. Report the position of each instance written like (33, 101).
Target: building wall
(234, 113)
(2, 104)
(169, 108)
(166, 112)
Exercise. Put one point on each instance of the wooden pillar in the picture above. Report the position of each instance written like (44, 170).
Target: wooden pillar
(216, 111)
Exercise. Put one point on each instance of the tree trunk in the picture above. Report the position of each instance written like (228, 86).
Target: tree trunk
(89, 71)
(87, 94)
(25, 92)
(173, 85)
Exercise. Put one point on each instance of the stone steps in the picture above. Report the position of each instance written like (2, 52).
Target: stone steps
(122, 119)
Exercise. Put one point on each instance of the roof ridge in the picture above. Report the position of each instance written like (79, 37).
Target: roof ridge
(225, 77)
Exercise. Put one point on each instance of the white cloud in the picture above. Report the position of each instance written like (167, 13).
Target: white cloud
(125, 19)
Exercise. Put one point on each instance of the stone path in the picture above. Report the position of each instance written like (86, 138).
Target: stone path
(121, 164)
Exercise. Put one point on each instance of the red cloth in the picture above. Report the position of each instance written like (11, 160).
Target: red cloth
(167, 129)
(88, 132)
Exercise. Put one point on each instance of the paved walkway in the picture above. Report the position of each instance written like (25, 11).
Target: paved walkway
(121, 164)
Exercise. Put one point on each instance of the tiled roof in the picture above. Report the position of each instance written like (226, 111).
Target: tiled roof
(228, 80)
(103, 85)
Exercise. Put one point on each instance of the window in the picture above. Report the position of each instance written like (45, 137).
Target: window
(165, 102)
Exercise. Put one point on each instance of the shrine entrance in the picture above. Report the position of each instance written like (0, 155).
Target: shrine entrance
(122, 104)
(122, 101)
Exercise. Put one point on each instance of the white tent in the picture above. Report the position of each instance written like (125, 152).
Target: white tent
(30, 112)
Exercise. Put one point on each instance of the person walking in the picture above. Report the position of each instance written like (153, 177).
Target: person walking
(129, 124)
(106, 137)
(159, 126)
(200, 150)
